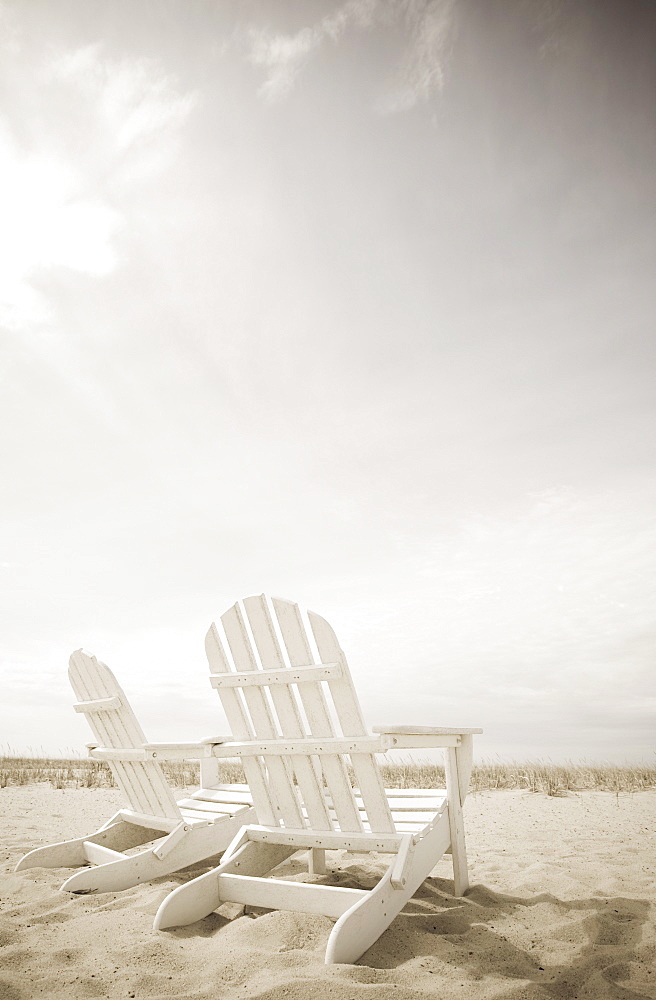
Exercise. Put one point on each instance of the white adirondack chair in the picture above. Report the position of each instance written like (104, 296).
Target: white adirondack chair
(284, 705)
(181, 833)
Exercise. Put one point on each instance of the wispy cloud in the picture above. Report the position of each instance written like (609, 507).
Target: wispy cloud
(425, 28)
(422, 72)
(284, 56)
(137, 109)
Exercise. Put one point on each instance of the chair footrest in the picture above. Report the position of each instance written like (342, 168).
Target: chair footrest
(276, 894)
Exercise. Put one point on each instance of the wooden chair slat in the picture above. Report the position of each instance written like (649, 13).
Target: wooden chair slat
(151, 794)
(315, 707)
(143, 784)
(241, 727)
(350, 717)
(280, 778)
(287, 710)
(415, 825)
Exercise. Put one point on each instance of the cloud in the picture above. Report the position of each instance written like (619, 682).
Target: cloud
(135, 107)
(424, 62)
(105, 126)
(426, 32)
(47, 222)
(285, 55)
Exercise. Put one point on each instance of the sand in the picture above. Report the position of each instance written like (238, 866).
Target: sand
(561, 905)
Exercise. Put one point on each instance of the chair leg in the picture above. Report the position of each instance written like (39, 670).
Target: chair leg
(117, 875)
(317, 861)
(200, 897)
(456, 823)
(196, 845)
(361, 926)
(71, 853)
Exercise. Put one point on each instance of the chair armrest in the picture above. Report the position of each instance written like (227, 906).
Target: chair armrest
(184, 751)
(409, 737)
(157, 751)
(424, 731)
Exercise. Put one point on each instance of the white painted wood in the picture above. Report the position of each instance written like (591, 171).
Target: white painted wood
(210, 808)
(332, 768)
(465, 759)
(317, 861)
(194, 832)
(120, 836)
(412, 811)
(276, 894)
(196, 815)
(162, 823)
(402, 865)
(200, 843)
(392, 793)
(351, 721)
(115, 756)
(420, 804)
(199, 897)
(319, 672)
(96, 854)
(240, 725)
(416, 825)
(360, 746)
(418, 742)
(210, 772)
(143, 784)
(92, 681)
(287, 709)
(259, 711)
(228, 794)
(419, 816)
(181, 751)
(281, 788)
(456, 824)
(363, 924)
(166, 845)
(328, 840)
(99, 705)
(424, 730)
(146, 791)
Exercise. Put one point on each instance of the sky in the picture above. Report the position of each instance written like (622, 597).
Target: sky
(346, 302)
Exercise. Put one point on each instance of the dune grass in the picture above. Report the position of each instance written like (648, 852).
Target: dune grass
(536, 776)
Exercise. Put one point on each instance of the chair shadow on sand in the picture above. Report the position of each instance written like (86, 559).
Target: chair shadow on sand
(600, 935)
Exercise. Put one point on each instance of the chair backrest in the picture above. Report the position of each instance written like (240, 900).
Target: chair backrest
(257, 657)
(115, 726)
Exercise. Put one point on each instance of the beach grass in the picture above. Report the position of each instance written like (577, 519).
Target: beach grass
(532, 776)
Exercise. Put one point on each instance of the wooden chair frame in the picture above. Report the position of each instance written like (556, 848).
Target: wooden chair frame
(180, 832)
(269, 676)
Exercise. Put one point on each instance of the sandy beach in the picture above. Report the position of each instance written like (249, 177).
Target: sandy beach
(561, 906)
